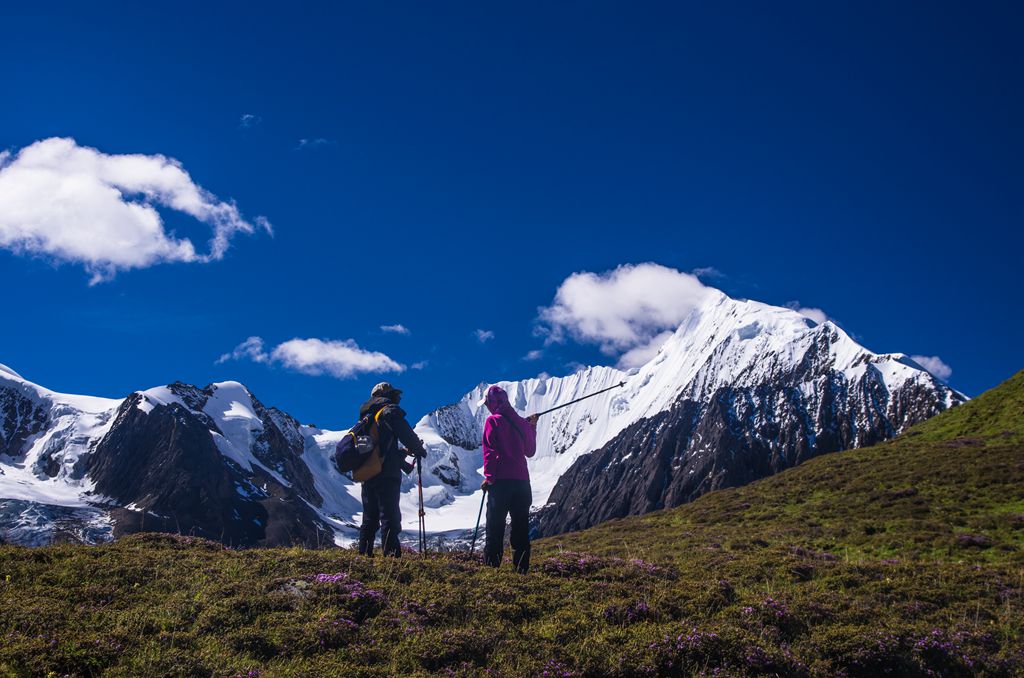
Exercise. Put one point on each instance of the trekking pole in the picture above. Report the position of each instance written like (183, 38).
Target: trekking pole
(476, 532)
(573, 402)
(423, 523)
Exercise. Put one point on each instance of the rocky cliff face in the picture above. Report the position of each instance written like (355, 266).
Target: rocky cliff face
(165, 466)
(172, 460)
(734, 437)
(20, 418)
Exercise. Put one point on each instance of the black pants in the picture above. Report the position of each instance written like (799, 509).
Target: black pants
(380, 511)
(504, 498)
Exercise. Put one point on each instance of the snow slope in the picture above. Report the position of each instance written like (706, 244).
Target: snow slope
(56, 430)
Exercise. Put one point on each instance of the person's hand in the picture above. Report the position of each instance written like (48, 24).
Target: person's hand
(416, 455)
(484, 485)
(533, 419)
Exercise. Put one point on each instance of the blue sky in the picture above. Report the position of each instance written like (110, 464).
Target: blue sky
(461, 160)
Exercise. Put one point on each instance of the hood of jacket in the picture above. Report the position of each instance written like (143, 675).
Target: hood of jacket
(496, 400)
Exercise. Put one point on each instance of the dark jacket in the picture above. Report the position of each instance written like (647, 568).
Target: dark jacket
(393, 429)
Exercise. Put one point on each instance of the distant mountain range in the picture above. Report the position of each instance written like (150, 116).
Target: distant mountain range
(740, 391)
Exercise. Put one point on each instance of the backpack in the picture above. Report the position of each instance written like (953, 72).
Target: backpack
(358, 454)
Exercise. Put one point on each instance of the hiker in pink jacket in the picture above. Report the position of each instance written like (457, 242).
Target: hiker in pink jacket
(509, 440)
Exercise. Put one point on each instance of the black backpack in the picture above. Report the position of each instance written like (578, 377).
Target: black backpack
(358, 453)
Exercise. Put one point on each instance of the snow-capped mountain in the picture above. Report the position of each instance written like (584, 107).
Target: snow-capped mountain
(740, 390)
(213, 462)
(45, 438)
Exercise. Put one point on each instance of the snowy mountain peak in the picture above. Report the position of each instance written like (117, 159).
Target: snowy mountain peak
(724, 344)
(12, 380)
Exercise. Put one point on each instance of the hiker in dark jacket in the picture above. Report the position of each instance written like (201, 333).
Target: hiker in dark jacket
(382, 492)
(509, 440)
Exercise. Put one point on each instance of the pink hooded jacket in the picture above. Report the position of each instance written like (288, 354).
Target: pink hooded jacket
(508, 439)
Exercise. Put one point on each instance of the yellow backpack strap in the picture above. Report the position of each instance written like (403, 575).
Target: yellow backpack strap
(376, 419)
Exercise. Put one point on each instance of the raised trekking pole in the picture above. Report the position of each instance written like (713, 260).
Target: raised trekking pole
(423, 523)
(573, 402)
(476, 532)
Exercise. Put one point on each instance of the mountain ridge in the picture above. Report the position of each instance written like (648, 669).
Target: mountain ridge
(59, 450)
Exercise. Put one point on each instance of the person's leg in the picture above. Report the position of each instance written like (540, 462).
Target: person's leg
(371, 519)
(497, 511)
(391, 516)
(519, 508)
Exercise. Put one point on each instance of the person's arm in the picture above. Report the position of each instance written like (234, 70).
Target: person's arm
(490, 455)
(400, 427)
(530, 436)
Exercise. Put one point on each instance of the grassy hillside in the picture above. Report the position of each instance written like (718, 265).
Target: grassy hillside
(950, 490)
(905, 559)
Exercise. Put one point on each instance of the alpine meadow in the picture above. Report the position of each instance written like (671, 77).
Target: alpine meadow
(556, 340)
(899, 559)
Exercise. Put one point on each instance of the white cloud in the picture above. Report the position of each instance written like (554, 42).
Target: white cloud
(815, 314)
(421, 365)
(536, 354)
(625, 311)
(395, 329)
(483, 336)
(75, 204)
(709, 272)
(251, 348)
(318, 142)
(641, 355)
(341, 359)
(934, 364)
(248, 121)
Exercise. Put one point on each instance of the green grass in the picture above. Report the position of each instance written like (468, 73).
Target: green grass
(997, 414)
(903, 558)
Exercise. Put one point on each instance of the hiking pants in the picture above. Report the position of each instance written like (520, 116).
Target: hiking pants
(380, 511)
(505, 498)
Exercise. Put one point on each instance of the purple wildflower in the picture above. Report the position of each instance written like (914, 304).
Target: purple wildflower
(555, 669)
(630, 613)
